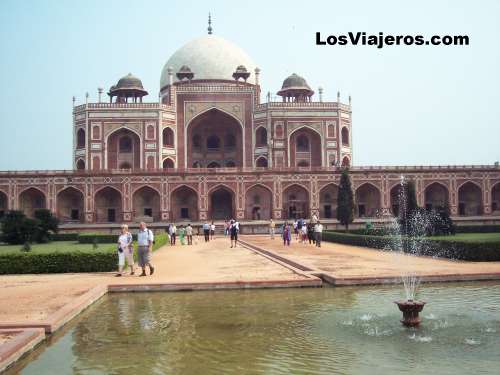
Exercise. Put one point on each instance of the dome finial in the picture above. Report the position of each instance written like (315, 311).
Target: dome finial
(209, 24)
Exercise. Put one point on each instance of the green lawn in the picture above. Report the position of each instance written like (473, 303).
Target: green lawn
(56, 247)
(470, 237)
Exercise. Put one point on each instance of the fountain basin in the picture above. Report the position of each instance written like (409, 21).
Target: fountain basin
(410, 310)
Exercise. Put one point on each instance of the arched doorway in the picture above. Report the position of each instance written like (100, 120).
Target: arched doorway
(470, 202)
(184, 204)
(108, 205)
(258, 203)
(80, 138)
(305, 148)
(295, 202)
(168, 163)
(146, 203)
(215, 136)
(124, 150)
(3, 204)
(221, 204)
(436, 197)
(367, 200)
(495, 199)
(328, 201)
(31, 200)
(70, 205)
(345, 136)
(168, 137)
(80, 165)
(261, 162)
(396, 196)
(261, 137)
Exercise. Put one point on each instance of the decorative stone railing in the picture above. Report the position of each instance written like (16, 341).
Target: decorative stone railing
(249, 170)
(122, 106)
(317, 105)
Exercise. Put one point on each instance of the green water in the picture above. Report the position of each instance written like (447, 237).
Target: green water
(353, 330)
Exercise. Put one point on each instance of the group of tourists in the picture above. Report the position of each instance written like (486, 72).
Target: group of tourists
(303, 231)
(145, 240)
(185, 234)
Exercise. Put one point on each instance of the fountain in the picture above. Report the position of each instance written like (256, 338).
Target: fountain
(410, 227)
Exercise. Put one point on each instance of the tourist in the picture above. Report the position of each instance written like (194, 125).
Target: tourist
(212, 230)
(189, 234)
(173, 234)
(314, 219)
(206, 231)
(226, 227)
(303, 233)
(286, 234)
(295, 229)
(318, 232)
(125, 250)
(234, 229)
(181, 233)
(299, 230)
(310, 233)
(145, 240)
(167, 229)
(272, 227)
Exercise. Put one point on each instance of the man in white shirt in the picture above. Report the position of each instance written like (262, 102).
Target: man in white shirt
(318, 232)
(145, 240)
(173, 234)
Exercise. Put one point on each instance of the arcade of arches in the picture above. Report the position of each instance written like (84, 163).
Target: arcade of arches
(146, 202)
(214, 139)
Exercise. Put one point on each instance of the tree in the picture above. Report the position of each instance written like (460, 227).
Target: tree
(17, 228)
(408, 206)
(47, 224)
(345, 200)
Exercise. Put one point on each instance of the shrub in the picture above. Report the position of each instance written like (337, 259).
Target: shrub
(453, 249)
(47, 223)
(17, 228)
(99, 238)
(58, 262)
(26, 247)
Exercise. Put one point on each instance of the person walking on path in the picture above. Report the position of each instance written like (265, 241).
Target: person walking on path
(287, 235)
(234, 229)
(303, 233)
(310, 233)
(173, 234)
(296, 229)
(125, 250)
(314, 219)
(206, 231)
(145, 240)
(212, 231)
(189, 234)
(272, 228)
(318, 233)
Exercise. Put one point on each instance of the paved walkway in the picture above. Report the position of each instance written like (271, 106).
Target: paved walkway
(34, 297)
(344, 262)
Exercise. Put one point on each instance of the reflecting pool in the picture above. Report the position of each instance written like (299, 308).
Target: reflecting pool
(348, 330)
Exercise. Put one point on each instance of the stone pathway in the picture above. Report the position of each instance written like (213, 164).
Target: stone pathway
(346, 263)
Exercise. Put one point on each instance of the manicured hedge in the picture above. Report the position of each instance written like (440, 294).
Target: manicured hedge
(460, 250)
(477, 228)
(98, 260)
(99, 237)
(64, 237)
(78, 261)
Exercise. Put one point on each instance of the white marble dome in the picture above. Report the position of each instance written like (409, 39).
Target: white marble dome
(209, 57)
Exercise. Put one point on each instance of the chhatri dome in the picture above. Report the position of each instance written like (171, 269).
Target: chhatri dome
(208, 57)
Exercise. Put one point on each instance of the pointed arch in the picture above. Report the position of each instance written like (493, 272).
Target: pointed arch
(184, 203)
(470, 199)
(328, 195)
(146, 202)
(436, 196)
(110, 160)
(32, 199)
(108, 205)
(221, 202)
(70, 205)
(296, 202)
(368, 200)
(258, 202)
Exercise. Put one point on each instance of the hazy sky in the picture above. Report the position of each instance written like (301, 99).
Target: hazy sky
(411, 105)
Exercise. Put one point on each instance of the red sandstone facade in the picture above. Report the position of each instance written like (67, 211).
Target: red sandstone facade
(209, 149)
